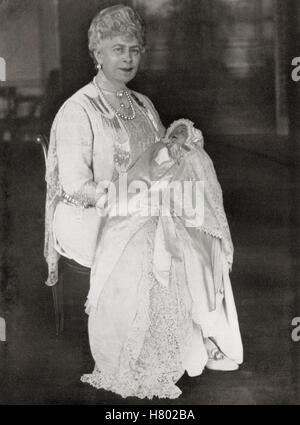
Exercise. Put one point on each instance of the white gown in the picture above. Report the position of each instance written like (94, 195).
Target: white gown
(146, 331)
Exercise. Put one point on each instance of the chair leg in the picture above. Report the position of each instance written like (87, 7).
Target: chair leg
(61, 302)
(56, 308)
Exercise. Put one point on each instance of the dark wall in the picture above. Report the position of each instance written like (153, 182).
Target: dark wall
(208, 60)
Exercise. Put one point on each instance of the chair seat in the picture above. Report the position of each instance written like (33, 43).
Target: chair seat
(73, 266)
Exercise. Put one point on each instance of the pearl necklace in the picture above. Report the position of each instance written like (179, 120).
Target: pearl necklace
(119, 95)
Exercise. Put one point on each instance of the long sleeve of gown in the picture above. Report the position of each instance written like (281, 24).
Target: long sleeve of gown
(74, 137)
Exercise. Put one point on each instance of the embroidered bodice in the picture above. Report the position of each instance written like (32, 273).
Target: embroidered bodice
(141, 136)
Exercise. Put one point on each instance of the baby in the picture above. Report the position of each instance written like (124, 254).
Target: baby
(179, 138)
(157, 162)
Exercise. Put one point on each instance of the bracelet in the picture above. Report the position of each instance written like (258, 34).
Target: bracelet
(80, 201)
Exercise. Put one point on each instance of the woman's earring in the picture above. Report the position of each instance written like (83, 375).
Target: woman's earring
(99, 66)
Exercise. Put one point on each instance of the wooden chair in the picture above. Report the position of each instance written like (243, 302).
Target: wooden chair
(66, 266)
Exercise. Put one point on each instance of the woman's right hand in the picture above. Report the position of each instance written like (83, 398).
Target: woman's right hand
(102, 196)
(177, 151)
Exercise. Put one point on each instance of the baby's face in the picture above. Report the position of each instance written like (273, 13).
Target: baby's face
(179, 135)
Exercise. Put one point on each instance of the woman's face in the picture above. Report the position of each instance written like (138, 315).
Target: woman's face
(120, 57)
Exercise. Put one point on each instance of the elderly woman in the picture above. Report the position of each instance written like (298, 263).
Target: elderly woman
(160, 300)
(99, 131)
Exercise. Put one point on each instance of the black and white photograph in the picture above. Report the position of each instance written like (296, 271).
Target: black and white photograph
(149, 205)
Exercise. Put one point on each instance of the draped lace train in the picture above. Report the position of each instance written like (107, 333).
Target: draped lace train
(151, 361)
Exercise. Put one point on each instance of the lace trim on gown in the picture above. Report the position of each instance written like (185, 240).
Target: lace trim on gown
(152, 359)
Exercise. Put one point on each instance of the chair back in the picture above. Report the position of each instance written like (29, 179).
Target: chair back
(43, 141)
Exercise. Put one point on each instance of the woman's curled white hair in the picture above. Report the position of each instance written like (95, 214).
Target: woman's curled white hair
(113, 21)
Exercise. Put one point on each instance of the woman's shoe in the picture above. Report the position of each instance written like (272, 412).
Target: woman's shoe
(224, 364)
(217, 360)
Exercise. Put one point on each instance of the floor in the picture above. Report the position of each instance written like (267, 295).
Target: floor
(262, 201)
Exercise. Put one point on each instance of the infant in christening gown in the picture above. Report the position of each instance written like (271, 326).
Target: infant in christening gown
(160, 301)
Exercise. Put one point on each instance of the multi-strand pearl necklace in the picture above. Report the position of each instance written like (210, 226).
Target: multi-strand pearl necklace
(119, 95)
